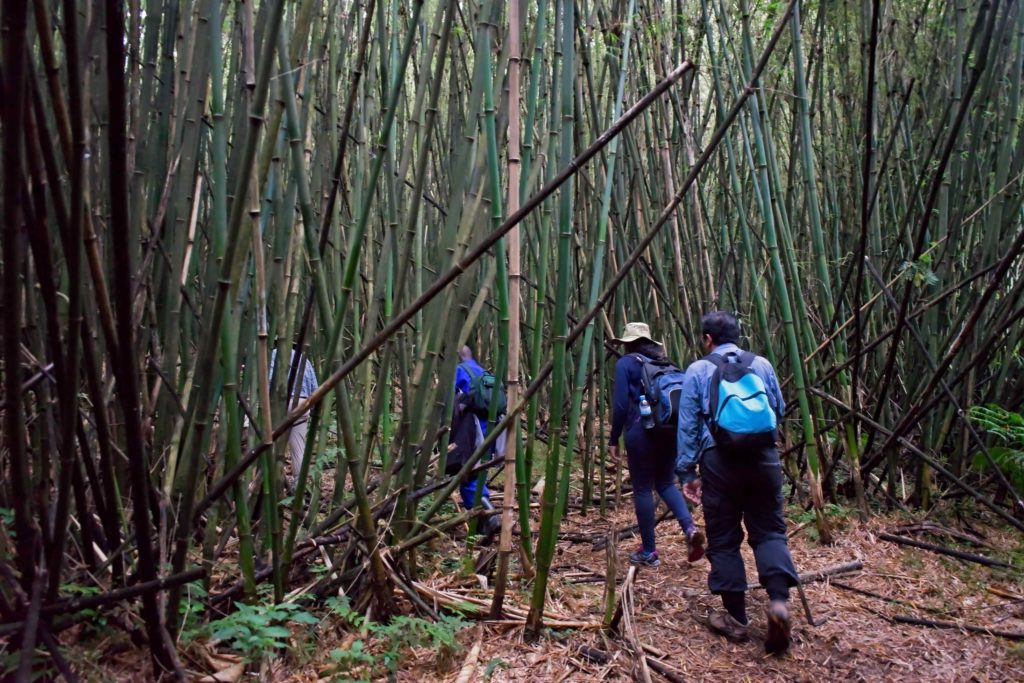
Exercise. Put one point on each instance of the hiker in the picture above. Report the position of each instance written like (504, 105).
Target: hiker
(469, 427)
(465, 371)
(304, 388)
(728, 416)
(464, 438)
(650, 452)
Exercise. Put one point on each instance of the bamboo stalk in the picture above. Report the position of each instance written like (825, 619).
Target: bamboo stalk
(514, 294)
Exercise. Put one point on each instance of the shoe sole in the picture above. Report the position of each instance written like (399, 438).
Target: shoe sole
(644, 563)
(728, 634)
(778, 637)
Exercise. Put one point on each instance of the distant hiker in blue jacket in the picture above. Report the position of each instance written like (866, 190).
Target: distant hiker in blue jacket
(740, 479)
(650, 454)
(465, 371)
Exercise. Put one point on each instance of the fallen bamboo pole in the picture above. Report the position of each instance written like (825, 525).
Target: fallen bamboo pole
(932, 462)
(827, 572)
(106, 599)
(915, 621)
(942, 550)
(667, 672)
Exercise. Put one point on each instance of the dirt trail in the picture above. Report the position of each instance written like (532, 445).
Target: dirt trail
(856, 642)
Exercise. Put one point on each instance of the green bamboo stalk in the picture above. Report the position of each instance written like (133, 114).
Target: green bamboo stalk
(512, 337)
(126, 371)
(549, 513)
(201, 400)
(597, 274)
(783, 298)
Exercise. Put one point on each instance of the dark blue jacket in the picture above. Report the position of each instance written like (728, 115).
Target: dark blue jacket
(626, 396)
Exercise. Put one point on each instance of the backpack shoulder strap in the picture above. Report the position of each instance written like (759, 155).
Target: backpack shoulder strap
(468, 369)
(746, 359)
(715, 359)
(645, 363)
(718, 361)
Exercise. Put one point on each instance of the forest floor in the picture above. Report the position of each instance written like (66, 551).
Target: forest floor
(856, 639)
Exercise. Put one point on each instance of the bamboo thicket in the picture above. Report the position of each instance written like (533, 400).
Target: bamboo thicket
(193, 189)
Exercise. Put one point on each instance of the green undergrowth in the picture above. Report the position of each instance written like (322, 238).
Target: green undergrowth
(264, 631)
(380, 647)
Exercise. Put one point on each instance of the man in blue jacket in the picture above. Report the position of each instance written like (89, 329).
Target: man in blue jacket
(736, 486)
(465, 371)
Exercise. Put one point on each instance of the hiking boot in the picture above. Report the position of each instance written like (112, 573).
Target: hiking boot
(695, 542)
(648, 559)
(777, 640)
(490, 526)
(724, 624)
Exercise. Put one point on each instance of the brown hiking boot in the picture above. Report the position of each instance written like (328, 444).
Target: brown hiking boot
(777, 640)
(724, 624)
(695, 542)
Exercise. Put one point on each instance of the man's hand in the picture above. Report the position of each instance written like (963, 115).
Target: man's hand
(692, 490)
(613, 454)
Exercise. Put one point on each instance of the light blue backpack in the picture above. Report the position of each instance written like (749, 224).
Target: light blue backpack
(742, 418)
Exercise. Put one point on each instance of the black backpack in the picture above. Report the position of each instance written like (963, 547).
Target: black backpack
(663, 385)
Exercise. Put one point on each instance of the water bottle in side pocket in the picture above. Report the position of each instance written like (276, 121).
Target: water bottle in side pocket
(646, 414)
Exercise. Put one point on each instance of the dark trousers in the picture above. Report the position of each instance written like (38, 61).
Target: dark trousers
(746, 488)
(651, 458)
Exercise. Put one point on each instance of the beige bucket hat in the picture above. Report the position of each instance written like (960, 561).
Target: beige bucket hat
(636, 331)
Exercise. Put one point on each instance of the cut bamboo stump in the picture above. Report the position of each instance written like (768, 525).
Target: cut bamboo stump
(469, 666)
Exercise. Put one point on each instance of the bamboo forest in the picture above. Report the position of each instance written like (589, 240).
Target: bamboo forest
(446, 213)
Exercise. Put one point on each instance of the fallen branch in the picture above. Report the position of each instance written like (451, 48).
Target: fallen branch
(834, 570)
(476, 607)
(305, 548)
(593, 655)
(914, 621)
(879, 596)
(602, 542)
(933, 528)
(93, 601)
(669, 673)
(440, 528)
(943, 550)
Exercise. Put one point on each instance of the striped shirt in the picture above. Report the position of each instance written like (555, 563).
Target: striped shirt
(309, 382)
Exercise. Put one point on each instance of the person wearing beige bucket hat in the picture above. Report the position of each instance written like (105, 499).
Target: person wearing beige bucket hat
(650, 452)
(636, 332)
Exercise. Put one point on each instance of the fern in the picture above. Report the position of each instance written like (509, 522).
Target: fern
(1007, 427)
(256, 630)
(390, 640)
